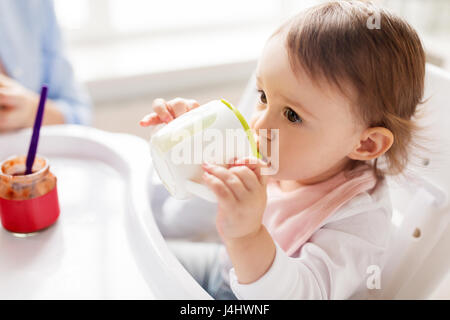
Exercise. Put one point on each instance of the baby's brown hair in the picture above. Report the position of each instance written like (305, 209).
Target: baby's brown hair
(375, 52)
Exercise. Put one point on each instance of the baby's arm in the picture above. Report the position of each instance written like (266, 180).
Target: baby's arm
(241, 194)
(252, 255)
(336, 263)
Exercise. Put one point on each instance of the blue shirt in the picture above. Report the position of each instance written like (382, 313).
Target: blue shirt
(31, 52)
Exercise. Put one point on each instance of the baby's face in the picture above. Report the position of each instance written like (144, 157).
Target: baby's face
(317, 129)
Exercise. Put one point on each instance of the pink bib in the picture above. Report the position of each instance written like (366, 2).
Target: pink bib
(292, 217)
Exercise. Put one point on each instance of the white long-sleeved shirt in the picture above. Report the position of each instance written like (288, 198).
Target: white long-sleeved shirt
(338, 260)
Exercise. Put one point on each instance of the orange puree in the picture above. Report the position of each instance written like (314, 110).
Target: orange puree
(14, 185)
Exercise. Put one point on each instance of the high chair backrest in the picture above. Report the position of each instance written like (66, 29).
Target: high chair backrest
(420, 203)
(419, 197)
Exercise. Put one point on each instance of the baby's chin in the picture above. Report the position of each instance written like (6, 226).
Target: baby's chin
(273, 172)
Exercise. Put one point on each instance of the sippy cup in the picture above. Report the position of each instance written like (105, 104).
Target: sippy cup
(28, 203)
(214, 132)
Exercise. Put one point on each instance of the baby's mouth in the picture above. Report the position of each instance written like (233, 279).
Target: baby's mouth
(264, 156)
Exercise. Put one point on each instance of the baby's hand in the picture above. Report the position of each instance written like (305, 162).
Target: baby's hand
(241, 194)
(166, 111)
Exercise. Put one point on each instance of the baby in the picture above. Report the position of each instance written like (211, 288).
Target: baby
(342, 95)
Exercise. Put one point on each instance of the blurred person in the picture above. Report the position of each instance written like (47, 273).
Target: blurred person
(31, 54)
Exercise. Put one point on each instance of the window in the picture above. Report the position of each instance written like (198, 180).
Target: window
(431, 20)
(104, 20)
(120, 38)
(132, 36)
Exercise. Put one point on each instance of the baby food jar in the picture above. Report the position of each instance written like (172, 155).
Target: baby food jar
(28, 203)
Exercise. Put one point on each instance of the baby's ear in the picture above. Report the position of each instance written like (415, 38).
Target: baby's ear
(374, 142)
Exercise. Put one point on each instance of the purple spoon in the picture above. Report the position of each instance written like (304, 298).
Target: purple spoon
(36, 129)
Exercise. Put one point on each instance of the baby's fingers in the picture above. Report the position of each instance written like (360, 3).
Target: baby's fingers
(251, 162)
(150, 119)
(255, 165)
(161, 109)
(178, 106)
(231, 180)
(167, 111)
(219, 188)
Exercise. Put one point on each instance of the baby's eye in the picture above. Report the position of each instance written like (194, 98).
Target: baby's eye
(262, 97)
(291, 115)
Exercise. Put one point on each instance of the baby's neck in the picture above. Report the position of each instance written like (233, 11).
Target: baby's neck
(290, 185)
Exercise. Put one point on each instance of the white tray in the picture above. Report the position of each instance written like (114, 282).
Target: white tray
(105, 244)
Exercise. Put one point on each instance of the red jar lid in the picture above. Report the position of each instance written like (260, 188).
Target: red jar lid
(25, 216)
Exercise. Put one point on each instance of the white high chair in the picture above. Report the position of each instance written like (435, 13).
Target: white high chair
(414, 266)
(418, 260)
(417, 264)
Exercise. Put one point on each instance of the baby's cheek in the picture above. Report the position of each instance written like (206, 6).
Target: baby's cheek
(252, 121)
(288, 154)
(295, 151)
